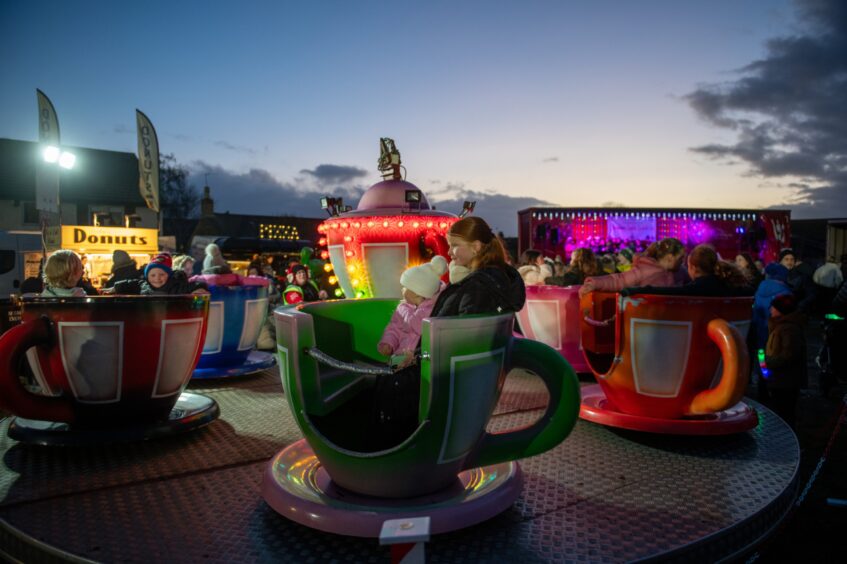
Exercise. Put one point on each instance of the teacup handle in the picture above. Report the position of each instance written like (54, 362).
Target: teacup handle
(736, 367)
(13, 395)
(558, 419)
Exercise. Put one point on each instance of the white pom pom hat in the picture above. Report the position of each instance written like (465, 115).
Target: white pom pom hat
(425, 279)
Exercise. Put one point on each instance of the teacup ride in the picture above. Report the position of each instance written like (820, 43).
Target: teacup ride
(667, 364)
(449, 468)
(551, 315)
(106, 369)
(238, 308)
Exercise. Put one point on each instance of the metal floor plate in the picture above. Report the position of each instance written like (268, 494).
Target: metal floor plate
(603, 495)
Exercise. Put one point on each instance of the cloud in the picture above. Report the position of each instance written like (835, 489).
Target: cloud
(499, 210)
(550, 160)
(335, 174)
(788, 112)
(236, 148)
(258, 192)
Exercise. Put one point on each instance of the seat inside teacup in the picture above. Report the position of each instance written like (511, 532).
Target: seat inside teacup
(339, 403)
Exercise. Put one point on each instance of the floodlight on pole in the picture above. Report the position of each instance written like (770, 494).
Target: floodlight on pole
(67, 160)
(51, 154)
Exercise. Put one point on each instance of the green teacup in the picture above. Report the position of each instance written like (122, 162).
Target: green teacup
(463, 367)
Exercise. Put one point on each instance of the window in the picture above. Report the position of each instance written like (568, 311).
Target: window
(30, 213)
(7, 261)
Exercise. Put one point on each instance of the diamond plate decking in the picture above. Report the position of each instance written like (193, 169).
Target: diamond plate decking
(601, 496)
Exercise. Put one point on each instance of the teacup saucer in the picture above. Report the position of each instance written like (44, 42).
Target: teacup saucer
(296, 485)
(597, 409)
(190, 412)
(256, 361)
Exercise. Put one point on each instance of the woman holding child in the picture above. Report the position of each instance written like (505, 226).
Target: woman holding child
(480, 282)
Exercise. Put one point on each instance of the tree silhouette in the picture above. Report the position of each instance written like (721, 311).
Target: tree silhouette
(177, 198)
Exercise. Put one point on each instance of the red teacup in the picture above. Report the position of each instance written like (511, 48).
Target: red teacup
(667, 356)
(103, 360)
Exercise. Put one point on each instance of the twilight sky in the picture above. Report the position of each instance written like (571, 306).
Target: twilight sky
(713, 103)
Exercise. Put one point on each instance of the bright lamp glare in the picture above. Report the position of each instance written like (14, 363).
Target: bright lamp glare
(51, 154)
(67, 160)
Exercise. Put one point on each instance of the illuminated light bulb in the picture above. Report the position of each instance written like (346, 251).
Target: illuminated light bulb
(322, 241)
(356, 224)
(334, 226)
(351, 268)
(327, 267)
(333, 280)
(355, 281)
(415, 224)
(429, 224)
(51, 154)
(370, 224)
(67, 160)
(400, 223)
(348, 238)
(350, 253)
(443, 225)
(360, 294)
(338, 293)
(345, 225)
(385, 224)
(324, 255)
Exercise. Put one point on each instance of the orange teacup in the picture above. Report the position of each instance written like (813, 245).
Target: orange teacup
(667, 356)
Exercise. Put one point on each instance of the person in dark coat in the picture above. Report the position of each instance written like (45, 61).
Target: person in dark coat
(710, 277)
(302, 289)
(785, 357)
(481, 282)
(800, 279)
(160, 279)
(123, 268)
(775, 284)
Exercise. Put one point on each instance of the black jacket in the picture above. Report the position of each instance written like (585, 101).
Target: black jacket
(129, 272)
(177, 284)
(708, 286)
(802, 284)
(485, 290)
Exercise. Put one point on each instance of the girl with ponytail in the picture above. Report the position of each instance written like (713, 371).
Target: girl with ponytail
(480, 279)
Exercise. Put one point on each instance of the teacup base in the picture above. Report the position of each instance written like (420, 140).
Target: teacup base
(257, 361)
(191, 411)
(597, 409)
(296, 485)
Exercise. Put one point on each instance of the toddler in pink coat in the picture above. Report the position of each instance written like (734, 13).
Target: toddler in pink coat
(421, 286)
